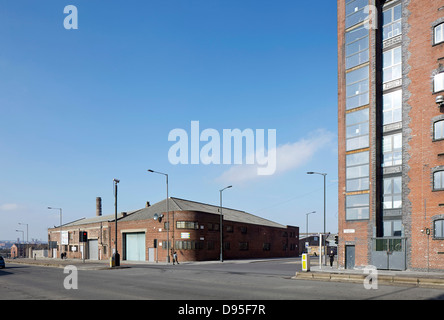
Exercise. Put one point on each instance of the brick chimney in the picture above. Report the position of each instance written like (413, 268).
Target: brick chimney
(98, 206)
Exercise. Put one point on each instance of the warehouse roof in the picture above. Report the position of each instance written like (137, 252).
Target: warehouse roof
(176, 204)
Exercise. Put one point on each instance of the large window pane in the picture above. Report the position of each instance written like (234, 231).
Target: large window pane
(392, 150)
(354, 12)
(392, 107)
(438, 130)
(438, 229)
(438, 180)
(357, 130)
(438, 82)
(356, 47)
(392, 66)
(392, 193)
(439, 33)
(357, 88)
(391, 22)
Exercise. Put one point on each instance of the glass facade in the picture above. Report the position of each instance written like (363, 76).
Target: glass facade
(357, 117)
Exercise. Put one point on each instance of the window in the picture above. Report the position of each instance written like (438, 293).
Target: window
(354, 12)
(392, 228)
(391, 22)
(438, 130)
(357, 172)
(392, 65)
(392, 198)
(357, 88)
(438, 82)
(266, 246)
(392, 107)
(356, 47)
(243, 230)
(438, 229)
(187, 225)
(392, 150)
(243, 246)
(357, 207)
(438, 180)
(439, 33)
(357, 129)
(230, 229)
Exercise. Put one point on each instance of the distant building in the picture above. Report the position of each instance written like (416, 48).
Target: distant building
(193, 229)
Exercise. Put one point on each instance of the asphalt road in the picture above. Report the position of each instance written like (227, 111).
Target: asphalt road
(268, 280)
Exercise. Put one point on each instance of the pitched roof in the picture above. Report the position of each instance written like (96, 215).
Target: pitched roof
(176, 204)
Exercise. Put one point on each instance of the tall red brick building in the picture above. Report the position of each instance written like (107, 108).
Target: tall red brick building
(391, 134)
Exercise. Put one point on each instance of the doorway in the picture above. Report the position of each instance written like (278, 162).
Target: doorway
(349, 257)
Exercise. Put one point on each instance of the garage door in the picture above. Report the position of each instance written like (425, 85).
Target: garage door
(93, 249)
(135, 246)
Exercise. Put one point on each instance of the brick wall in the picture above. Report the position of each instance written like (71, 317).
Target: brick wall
(424, 60)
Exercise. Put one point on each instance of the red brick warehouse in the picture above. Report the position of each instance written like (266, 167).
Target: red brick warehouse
(193, 230)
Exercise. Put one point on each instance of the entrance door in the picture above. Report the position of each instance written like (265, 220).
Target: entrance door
(349, 257)
(93, 249)
(151, 257)
(135, 246)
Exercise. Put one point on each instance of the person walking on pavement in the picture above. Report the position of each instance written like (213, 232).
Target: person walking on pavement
(175, 258)
(332, 258)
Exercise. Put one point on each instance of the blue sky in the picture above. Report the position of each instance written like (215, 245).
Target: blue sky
(81, 107)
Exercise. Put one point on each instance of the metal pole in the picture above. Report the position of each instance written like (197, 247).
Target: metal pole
(325, 191)
(116, 255)
(221, 228)
(221, 225)
(168, 215)
(168, 220)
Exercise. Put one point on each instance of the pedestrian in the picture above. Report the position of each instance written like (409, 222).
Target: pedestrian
(175, 258)
(332, 258)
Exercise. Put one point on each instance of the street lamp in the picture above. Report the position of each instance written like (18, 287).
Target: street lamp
(168, 214)
(221, 226)
(322, 174)
(27, 230)
(20, 246)
(51, 208)
(307, 220)
(116, 254)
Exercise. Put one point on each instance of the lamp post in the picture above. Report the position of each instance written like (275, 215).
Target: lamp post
(60, 209)
(221, 225)
(322, 174)
(307, 220)
(168, 215)
(116, 254)
(20, 246)
(27, 230)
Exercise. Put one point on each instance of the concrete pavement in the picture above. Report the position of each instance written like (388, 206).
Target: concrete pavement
(385, 277)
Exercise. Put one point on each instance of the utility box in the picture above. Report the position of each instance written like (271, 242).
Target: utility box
(305, 262)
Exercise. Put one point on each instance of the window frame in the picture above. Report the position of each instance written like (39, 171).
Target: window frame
(440, 235)
(389, 106)
(441, 88)
(441, 123)
(392, 65)
(439, 173)
(392, 194)
(392, 22)
(393, 138)
(441, 26)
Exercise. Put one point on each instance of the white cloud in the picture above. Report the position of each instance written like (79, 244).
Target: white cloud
(9, 207)
(288, 157)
